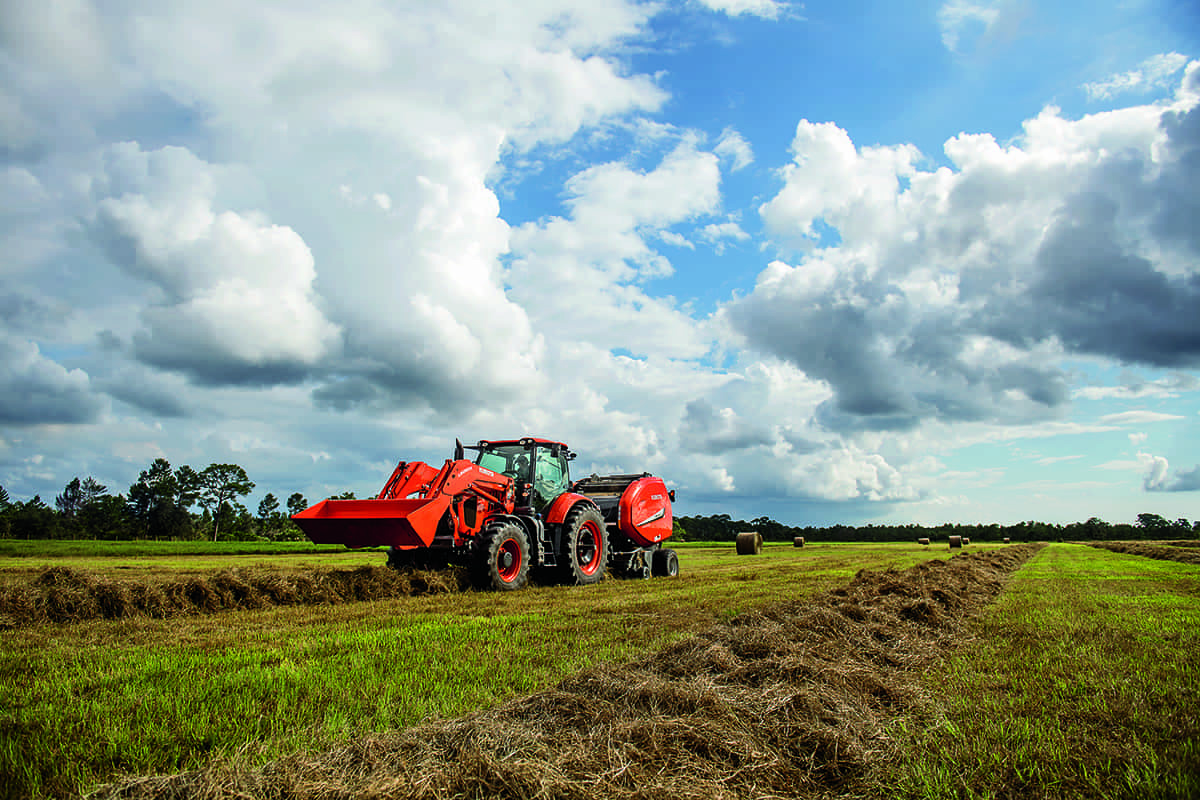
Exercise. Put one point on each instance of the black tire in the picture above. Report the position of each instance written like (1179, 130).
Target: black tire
(500, 560)
(584, 555)
(665, 564)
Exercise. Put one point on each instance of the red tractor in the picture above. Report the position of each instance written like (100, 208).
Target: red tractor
(511, 510)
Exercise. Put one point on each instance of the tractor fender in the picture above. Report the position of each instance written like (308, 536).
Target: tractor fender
(533, 531)
(563, 504)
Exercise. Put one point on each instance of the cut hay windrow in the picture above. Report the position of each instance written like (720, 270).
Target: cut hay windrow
(794, 700)
(1162, 551)
(60, 594)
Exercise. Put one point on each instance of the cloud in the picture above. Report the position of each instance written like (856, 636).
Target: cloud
(952, 294)
(964, 19)
(1157, 476)
(735, 149)
(34, 390)
(769, 9)
(1133, 387)
(716, 431)
(598, 259)
(1139, 417)
(236, 301)
(1155, 73)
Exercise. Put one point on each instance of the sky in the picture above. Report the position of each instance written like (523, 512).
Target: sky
(830, 262)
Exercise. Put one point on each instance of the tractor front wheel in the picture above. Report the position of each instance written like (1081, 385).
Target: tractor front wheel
(501, 558)
(585, 546)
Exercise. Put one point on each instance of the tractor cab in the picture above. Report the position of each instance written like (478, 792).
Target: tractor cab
(538, 468)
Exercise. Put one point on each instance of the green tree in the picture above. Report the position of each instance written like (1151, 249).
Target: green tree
(106, 517)
(268, 515)
(219, 485)
(296, 503)
(33, 519)
(71, 499)
(187, 487)
(154, 503)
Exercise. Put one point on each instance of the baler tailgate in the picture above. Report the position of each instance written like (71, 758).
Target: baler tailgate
(373, 523)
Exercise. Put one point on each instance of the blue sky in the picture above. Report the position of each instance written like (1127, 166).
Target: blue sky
(844, 262)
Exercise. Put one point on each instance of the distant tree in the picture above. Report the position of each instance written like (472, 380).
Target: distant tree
(106, 517)
(33, 519)
(220, 484)
(4, 502)
(344, 496)
(71, 499)
(187, 487)
(268, 515)
(1153, 525)
(155, 505)
(296, 503)
(268, 506)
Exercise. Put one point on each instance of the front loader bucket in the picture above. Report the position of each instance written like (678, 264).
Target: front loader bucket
(373, 523)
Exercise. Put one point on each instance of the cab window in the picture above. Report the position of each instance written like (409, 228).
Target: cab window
(550, 478)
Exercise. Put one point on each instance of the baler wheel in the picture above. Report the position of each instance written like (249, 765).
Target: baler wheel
(665, 564)
(585, 546)
(501, 558)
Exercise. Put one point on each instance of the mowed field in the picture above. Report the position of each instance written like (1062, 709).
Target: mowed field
(1083, 678)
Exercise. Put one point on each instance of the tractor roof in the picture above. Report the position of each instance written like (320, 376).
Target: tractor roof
(524, 440)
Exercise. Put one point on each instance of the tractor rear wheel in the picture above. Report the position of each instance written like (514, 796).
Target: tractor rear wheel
(665, 564)
(585, 546)
(501, 558)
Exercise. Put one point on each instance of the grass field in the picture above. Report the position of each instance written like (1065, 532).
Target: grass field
(1083, 681)
(19, 560)
(87, 702)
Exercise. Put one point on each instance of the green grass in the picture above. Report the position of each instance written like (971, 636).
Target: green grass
(90, 702)
(21, 560)
(1084, 681)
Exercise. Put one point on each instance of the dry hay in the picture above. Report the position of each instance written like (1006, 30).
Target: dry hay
(955, 542)
(924, 540)
(794, 700)
(60, 594)
(1186, 555)
(966, 540)
(798, 541)
(1007, 540)
(749, 543)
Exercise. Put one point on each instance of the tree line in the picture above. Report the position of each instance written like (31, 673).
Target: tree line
(159, 505)
(722, 528)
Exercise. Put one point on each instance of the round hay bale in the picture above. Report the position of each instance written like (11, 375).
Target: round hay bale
(923, 540)
(966, 540)
(956, 541)
(1007, 540)
(749, 543)
(798, 541)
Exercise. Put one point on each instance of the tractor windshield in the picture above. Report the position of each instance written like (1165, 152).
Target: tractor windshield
(510, 459)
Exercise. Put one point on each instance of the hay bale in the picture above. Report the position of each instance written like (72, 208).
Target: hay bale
(798, 541)
(966, 540)
(956, 541)
(1006, 540)
(749, 543)
(924, 540)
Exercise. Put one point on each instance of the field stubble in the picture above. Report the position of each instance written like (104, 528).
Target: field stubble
(85, 702)
(790, 700)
